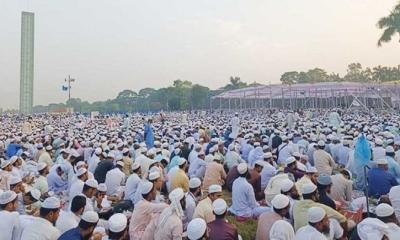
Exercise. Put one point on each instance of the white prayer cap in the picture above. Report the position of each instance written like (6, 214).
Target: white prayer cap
(259, 163)
(102, 187)
(321, 143)
(100, 230)
(81, 171)
(389, 149)
(13, 159)
(301, 166)
(90, 217)
(312, 170)
(35, 193)
(74, 153)
(214, 188)
(151, 152)
(242, 168)
(372, 229)
(146, 187)
(41, 166)
(284, 138)
(290, 160)
(280, 201)
(80, 164)
(201, 153)
(51, 203)
(153, 175)
(111, 155)
(281, 230)
(120, 163)
(135, 166)
(5, 163)
(49, 148)
(268, 155)
(92, 183)
(196, 228)
(181, 161)
(384, 210)
(316, 214)
(217, 157)
(324, 179)
(98, 151)
(143, 150)
(286, 185)
(125, 150)
(14, 180)
(194, 182)
(308, 188)
(176, 194)
(219, 206)
(165, 145)
(231, 146)
(7, 197)
(64, 151)
(120, 145)
(39, 146)
(378, 141)
(296, 154)
(257, 144)
(382, 161)
(117, 223)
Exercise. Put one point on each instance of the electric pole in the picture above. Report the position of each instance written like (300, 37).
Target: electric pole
(69, 80)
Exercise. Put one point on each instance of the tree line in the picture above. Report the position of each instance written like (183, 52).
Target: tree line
(181, 95)
(355, 73)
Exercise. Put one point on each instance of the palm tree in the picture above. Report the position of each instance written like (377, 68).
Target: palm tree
(390, 24)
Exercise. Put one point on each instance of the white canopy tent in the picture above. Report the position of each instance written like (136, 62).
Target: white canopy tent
(317, 95)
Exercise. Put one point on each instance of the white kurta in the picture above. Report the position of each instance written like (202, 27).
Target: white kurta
(66, 221)
(76, 189)
(41, 229)
(114, 180)
(309, 233)
(10, 228)
(235, 127)
(132, 185)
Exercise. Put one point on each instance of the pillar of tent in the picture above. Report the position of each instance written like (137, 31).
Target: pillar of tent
(310, 96)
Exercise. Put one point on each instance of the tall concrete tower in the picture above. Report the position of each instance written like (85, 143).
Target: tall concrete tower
(27, 58)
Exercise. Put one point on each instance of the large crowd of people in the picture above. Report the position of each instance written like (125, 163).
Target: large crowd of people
(303, 175)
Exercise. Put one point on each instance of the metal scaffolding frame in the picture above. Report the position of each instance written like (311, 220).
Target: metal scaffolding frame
(315, 96)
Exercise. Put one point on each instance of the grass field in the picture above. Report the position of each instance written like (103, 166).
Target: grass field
(246, 229)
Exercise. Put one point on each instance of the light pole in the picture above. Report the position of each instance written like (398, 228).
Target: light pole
(69, 80)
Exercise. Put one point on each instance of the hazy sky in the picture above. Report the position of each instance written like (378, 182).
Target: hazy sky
(111, 45)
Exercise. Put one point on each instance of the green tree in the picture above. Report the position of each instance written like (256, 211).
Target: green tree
(200, 96)
(390, 25)
(317, 75)
(235, 83)
(126, 99)
(290, 78)
(354, 73)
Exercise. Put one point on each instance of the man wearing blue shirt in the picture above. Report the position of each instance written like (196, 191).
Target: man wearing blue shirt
(380, 180)
(85, 229)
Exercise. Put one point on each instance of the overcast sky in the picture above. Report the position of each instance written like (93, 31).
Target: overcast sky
(113, 45)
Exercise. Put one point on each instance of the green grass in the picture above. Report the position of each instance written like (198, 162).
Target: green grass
(246, 229)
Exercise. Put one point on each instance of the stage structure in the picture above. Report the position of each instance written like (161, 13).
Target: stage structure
(318, 96)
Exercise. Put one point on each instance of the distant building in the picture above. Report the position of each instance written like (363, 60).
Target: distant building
(27, 62)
